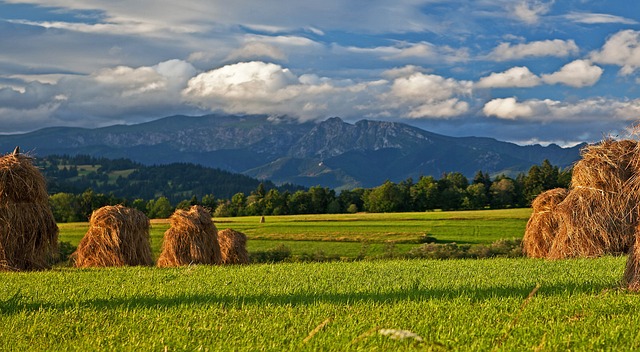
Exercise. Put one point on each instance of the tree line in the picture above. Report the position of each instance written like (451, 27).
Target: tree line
(453, 191)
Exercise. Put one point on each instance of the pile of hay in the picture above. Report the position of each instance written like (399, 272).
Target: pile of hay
(191, 239)
(28, 232)
(233, 247)
(597, 215)
(543, 224)
(117, 236)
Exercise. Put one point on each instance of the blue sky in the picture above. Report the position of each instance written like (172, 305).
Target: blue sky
(527, 71)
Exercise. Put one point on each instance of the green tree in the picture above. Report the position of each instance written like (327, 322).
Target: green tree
(65, 207)
(503, 193)
(159, 208)
(386, 198)
(424, 194)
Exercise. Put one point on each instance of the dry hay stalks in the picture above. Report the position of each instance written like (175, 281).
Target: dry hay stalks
(631, 277)
(28, 237)
(28, 232)
(543, 224)
(191, 239)
(233, 246)
(117, 236)
(594, 223)
(20, 181)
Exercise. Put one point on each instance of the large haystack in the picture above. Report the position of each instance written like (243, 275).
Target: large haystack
(117, 236)
(599, 213)
(28, 232)
(594, 223)
(543, 224)
(233, 247)
(191, 239)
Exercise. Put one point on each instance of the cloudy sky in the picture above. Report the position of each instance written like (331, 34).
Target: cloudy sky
(532, 71)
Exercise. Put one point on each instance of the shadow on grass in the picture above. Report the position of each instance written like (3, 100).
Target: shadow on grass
(15, 304)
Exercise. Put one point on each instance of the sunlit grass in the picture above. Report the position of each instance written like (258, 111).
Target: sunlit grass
(452, 305)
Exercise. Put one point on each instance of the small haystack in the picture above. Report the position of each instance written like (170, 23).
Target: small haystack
(191, 239)
(233, 246)
(28, 232)
(543, 224)
(117, 236)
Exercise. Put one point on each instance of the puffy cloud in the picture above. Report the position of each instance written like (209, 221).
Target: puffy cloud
(556, 47)
(621, 49)
(507, 108)
(427, 95)
(259, 87)
(513, 77)
(597, 18)
(412, 52)
(579, 73)
(529, 11)
(266, 88)
(588, 110)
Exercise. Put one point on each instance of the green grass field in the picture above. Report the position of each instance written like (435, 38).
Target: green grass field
(344, 235)
(468, 305)
(449, 305)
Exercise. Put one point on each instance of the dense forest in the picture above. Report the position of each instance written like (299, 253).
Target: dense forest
(81, 184)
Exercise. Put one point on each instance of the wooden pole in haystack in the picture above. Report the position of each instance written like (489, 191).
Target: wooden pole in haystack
(117, 236)
(191, 239)
(233, 247)
(28, 232)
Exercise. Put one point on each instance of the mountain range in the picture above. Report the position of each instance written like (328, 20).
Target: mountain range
(331, 153)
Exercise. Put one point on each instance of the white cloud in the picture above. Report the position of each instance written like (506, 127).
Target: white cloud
(427, 95)
(621, 49)
(579, 73)
(513, 77)
(529, 11)
(556, 48)
(507, 108)
(266, 88)
(598, 18)
(588, 110)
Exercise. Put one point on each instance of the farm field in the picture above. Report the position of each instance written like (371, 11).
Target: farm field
(440, 305)
(347, 235)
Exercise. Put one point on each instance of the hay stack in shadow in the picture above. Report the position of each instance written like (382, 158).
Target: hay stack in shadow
(543, 224)
(191, 239)
(631, 278)
(28, 232)
(117, 236)
(233, 247)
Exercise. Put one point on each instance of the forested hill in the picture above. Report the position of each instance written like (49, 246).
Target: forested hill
(127, 179)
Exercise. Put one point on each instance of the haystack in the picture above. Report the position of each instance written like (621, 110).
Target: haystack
(543, 224)
(28, 232)
(117, 236)
(599, 214)
(233, 247)
(594, 223)
(191, 239)
(631, 278)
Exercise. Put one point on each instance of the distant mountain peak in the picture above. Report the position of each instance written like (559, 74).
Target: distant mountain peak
(332, 153)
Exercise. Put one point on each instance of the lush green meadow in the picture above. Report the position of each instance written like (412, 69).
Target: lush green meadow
(490, 304)
(348, 235)
(448, 305)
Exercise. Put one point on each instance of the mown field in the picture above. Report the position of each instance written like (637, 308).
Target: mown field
(468, 305)
(348, 235)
